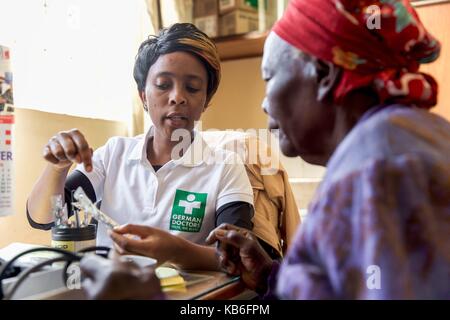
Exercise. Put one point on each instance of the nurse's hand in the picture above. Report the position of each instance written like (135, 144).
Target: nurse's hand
(241, 254)
(146, 241)
(114, 279)
(67, 147)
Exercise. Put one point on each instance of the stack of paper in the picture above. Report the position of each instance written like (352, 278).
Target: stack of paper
(170, 279)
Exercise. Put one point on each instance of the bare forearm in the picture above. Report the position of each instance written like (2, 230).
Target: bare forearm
(191, 256)
(50, 183)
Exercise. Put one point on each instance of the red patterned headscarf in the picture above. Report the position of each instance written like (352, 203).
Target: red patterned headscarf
(377, 43)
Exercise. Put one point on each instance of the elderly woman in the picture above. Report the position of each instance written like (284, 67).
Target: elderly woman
(165, 185)
(346, 92)
(351, 98)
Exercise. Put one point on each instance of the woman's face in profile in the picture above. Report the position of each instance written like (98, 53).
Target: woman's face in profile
(175, 92)
(291, 101)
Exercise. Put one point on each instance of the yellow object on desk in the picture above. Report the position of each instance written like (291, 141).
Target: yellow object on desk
(170, 279)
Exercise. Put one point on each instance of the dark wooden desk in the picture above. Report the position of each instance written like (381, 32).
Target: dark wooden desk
(214, 286)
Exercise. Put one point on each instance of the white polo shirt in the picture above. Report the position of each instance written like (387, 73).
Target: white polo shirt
(181, 197)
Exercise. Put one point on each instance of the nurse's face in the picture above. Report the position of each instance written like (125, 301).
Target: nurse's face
(175, 92)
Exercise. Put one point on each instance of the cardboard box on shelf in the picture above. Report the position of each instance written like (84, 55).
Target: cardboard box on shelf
(205, 8)
(206, 16)
(270, 13)
(226, 6)
(209, 25)
(238, 22)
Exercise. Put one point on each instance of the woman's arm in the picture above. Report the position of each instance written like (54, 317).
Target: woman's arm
(192, 256)
(164, 247)
(183, 253)
(50, 183)
(60, 152)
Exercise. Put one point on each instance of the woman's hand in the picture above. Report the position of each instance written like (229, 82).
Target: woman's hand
(241, 254)
(151, 242)
(67, 147)
(114, 279)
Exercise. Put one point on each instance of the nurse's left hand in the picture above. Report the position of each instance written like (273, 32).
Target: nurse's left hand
(147, 241)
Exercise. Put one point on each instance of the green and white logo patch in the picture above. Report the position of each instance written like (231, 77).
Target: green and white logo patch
(188, 211)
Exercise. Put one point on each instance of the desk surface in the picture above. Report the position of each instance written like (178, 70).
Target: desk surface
(201, 285)
(215, 286)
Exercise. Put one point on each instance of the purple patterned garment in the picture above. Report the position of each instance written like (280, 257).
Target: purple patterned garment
(379, 225)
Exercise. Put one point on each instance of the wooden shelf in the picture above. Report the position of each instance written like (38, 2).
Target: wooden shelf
(249, 45)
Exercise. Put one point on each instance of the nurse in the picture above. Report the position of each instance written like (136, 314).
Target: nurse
(166, 187)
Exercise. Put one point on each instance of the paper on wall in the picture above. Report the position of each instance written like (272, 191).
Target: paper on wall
(6, 128)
